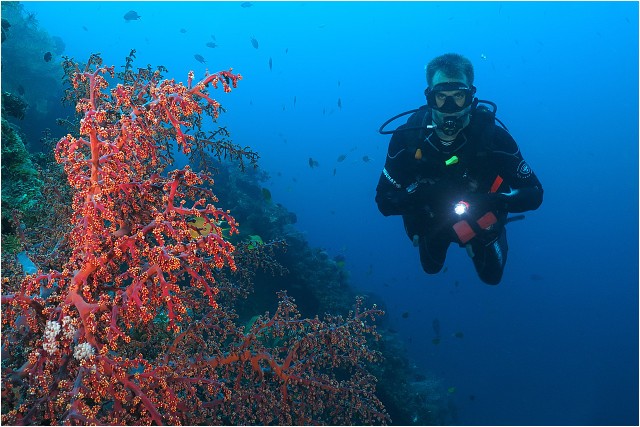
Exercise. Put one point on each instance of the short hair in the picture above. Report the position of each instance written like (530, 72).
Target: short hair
(452, 65)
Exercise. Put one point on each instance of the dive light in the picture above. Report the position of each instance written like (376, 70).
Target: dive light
(461, 207)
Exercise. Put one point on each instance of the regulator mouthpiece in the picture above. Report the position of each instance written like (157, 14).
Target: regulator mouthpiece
(451, 125)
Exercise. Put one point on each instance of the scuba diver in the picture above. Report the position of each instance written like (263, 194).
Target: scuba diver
(454, 174)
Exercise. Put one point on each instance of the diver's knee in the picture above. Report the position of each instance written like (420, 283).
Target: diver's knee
(491, 278)
(431, 261)
(431, 268)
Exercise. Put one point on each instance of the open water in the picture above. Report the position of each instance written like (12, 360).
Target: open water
(557, 341)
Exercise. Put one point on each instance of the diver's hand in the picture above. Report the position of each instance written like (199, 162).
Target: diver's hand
(516, 201)
(481, 203)
(423, 198)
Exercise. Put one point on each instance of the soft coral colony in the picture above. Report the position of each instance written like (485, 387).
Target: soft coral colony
(137, 326)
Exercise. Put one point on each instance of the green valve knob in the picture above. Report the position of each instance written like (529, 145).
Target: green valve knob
(452, 161)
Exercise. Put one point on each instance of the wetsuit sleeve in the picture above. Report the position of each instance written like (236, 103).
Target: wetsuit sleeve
(525, 190)
(395, 193)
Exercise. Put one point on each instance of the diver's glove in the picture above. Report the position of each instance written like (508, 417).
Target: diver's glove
(481, 203)
(422, 197)
(521, 199)
(516, 201)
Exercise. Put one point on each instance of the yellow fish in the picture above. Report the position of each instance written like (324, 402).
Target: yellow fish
(205, 228)
(202, 228)
(254, 241)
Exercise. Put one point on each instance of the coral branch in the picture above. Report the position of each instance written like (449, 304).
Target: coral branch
(132, 330)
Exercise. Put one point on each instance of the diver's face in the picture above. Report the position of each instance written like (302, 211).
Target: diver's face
(459, 97)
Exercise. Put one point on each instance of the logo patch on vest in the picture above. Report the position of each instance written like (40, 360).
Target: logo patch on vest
(524, 171)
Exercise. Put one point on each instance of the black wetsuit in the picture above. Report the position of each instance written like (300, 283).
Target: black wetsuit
(417, 183)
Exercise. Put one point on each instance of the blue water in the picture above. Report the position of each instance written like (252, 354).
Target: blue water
(557, 341)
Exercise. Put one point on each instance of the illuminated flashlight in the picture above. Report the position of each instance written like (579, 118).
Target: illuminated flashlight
(461, 207)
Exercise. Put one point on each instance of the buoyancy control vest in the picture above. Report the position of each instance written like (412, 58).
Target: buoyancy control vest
(466, 167)
(467, 162)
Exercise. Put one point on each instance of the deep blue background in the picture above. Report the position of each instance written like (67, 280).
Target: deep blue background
(557, 341)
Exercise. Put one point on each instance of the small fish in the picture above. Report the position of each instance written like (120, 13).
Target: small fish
(132, 15)
(339, 257)
(20, 90)
(213, 37)
(200, 227)
(47, 57)
(459, 335)
(435, 341)
(536, 277)
(5, 29)
(366, 159)
(451, 390)
(266, 194)
(85, 28)
(436, 327)
(286, 50)
(341, 157)
(199, 58)
(254, 42)
(339, 103)
(212, 45)
(270, 63)
(313, 163)
(254, 241)
(294, 101)
(183, 30)
(483, 56)
(405, 315)
(334, 171)
(246, 4)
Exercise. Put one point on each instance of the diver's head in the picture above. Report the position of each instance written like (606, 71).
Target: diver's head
(450, 93)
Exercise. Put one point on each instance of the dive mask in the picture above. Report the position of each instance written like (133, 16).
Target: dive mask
(460, 98)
